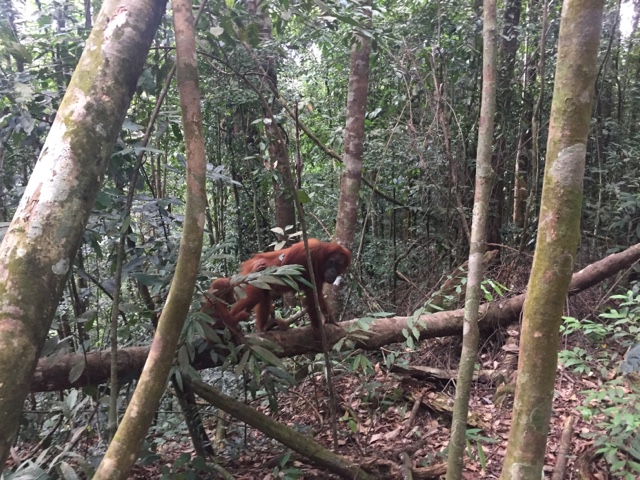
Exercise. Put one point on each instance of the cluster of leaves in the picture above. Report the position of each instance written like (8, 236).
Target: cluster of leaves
(613, 407)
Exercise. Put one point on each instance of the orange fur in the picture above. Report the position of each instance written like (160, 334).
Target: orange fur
(328, 260)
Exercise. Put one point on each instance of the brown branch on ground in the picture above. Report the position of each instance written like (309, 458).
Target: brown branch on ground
(414, 413)
(289, 437)
(564, 449)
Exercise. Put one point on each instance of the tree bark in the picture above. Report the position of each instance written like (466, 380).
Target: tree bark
(278, 153)
(522, 164)
(38, 249)
(282, 433)
(347, 218)
(508, 51)
(484, 178)
(51, 376)
(558, 235)
(124, 448)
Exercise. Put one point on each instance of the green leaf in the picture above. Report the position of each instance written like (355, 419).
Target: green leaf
(207, 331)
(242, 363)
(67, 472)
(147, 279)
(353, 426)
(76, 370)
(271, 279)
(303, 197)
(183, 356)
(292, 283)
(284, 459)
(178, 376)
(267, 356)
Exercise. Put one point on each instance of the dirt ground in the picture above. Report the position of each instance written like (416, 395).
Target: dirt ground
(375, 421)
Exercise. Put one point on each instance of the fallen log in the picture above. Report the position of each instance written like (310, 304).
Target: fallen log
(54, 374)
(289, 437)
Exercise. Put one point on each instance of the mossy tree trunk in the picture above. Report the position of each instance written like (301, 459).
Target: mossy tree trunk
(484, 178)
(38, 250)
(284, 434)
(558, 235)
(124, 448)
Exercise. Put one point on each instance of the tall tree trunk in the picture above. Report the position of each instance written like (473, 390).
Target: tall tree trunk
(558, 235)
(605, 106)
(347, 217)
(522, 167)
(508, 50)
(4, 213)
(484, 177)
(278, 154)
(87, 14)
(48, 225)
(125, 446)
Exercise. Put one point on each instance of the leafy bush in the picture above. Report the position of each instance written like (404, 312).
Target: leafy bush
(613, 408)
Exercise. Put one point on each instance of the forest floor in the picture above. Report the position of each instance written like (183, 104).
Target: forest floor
(373, 421)
(374, 418)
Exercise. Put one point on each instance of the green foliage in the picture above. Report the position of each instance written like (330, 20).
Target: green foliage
(490, 285)
(615, 410)
(612, 408)
(404, 247)
(475, 439)
(621, 326)
(58, 432)
(595, 331)
(284, 470)
(411, 332)
(359, 363)
(263, 373)
(625, 326)
(186, 468)
(286, 275)
(577, 359)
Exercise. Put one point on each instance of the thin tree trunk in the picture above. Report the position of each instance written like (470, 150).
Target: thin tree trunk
(123, 450)
(604, 109)
(347, 218)
(112, 423)
(278, 153)
(535, 122)
(87, 14)
(484, 178)
(522, 167)
(4, 214)
(48, 225)
(508, 49)
(440, 102)
(558, 235)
